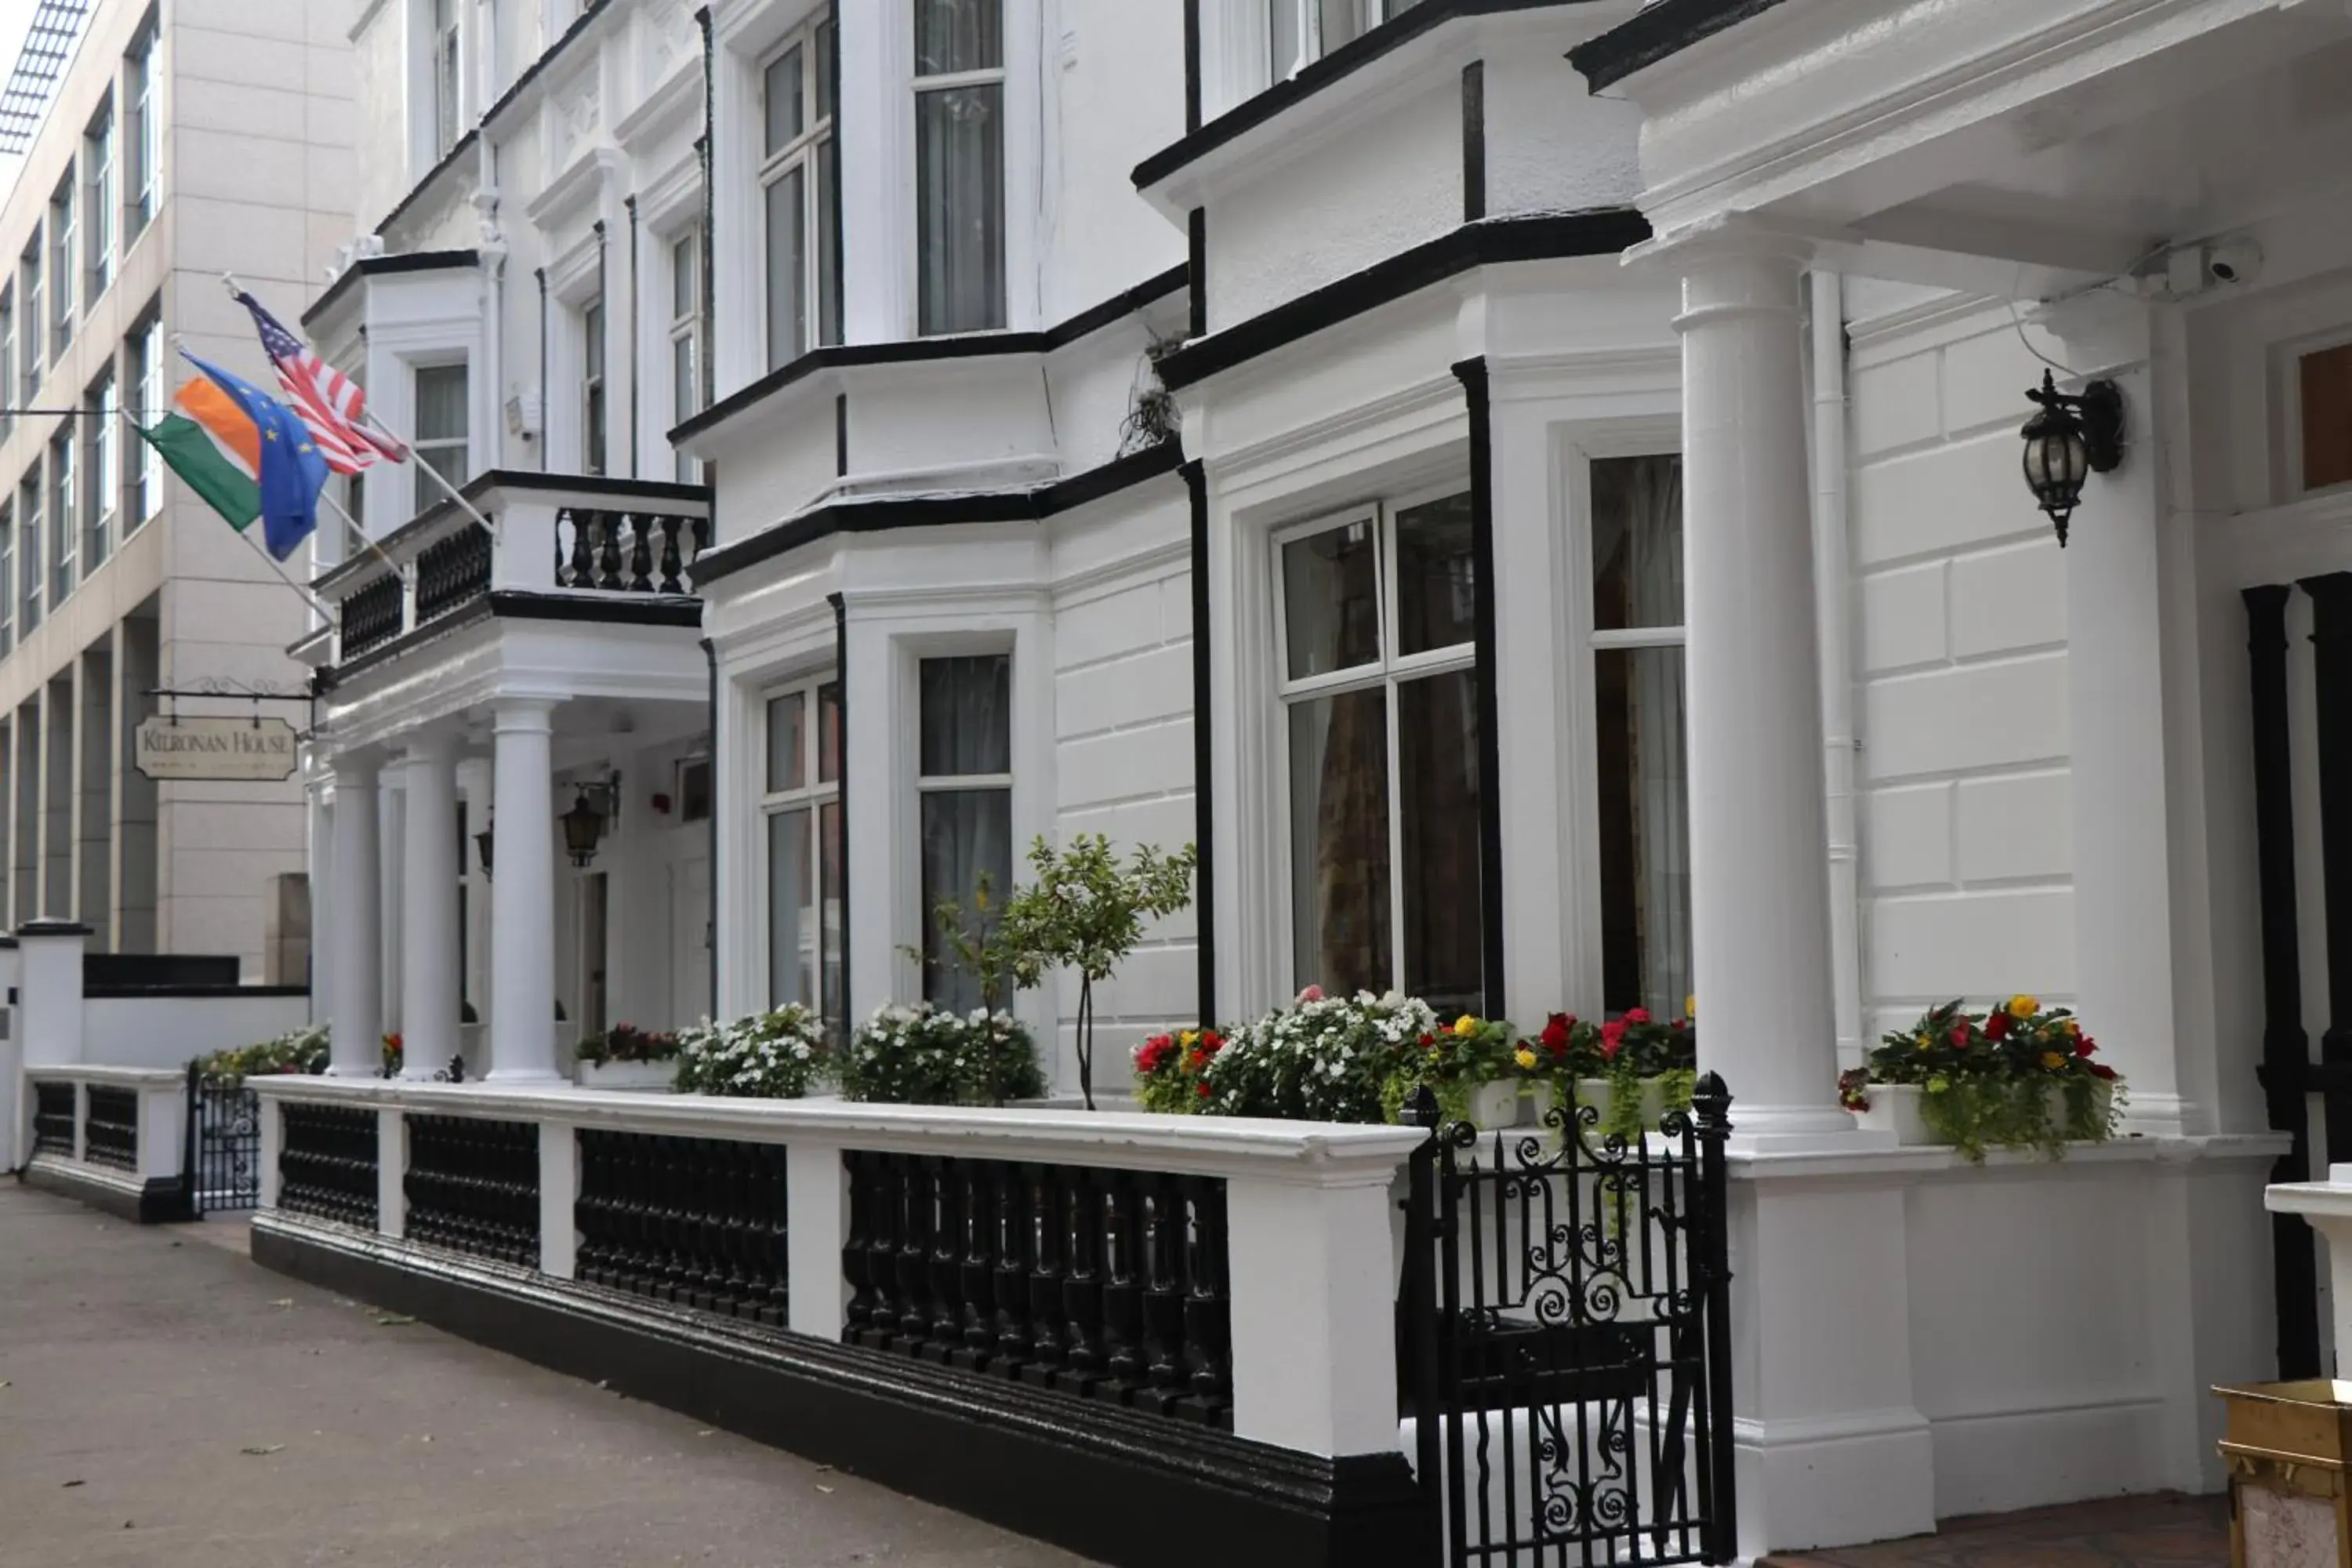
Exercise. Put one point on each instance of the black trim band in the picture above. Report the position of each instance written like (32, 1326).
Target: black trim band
(1602, 231)
(156, 1200)
(1471, 373)
(1196, 250)
(2331, 645)
(1666, 28)
(1473, 141)
(915, 351)
(1119, 1486)
(95, 991)
(382, 266)
(932, 512)
(1205, 704)
(1191, 66)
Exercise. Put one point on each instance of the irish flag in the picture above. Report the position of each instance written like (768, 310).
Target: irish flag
(247, 454)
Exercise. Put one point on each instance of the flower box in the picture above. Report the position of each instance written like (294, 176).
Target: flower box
(1596, 1093)
(1495, 1106)
(1894, 1108)
(625, 1075)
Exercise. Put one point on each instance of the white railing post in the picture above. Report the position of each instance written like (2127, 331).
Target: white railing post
(1313, 1286)
(391, 1173)
(816, 1222)
(558, 1191)
(162, 1129)
(524, 556)
(82, 1121)
(49, 954)
(273, 1146)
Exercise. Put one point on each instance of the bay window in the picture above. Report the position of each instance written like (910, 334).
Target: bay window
(1641, 788)
(1300, 31)
(959, 165)
(1377, 679)
(685, 336)
(799, 194)
(442, 423)
(800, 803)
(965, 784)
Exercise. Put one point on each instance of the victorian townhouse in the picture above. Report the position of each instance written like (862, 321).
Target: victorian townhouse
(1532, 490)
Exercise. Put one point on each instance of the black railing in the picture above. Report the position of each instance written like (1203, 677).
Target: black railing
(110, 1127)
(698, 1222)
(473, 1186)
(452, 573)
(53, 1119)
(221, 1160)
(327, 1163)
(1110, 1285)
(369, 615)
(1566, 1336)
(627, 552)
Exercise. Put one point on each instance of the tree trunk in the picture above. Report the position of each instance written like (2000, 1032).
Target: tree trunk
(1087, 1039)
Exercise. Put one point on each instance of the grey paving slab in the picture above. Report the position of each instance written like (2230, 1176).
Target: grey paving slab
(163, 1401)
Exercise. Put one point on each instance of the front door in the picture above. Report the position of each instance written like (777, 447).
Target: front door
(689, 927)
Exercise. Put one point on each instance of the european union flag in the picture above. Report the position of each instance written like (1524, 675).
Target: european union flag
(292, 471)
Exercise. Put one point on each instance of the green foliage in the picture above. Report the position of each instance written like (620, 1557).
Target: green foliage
(767, 1056)
(2018, 1076)
(303, 1050)
(628, 1043)
(923, 1056)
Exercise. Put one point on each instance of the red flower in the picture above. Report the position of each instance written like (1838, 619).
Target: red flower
(1959, 1036)
(1428, 1041)
(2084, 1046)
(1997, 1026)
(2103, 1071)
(1637, 1016)
(1211, 1042)
(1554, 1035)
(1155, 1053)
(1202, 1089)
(1612, 1039)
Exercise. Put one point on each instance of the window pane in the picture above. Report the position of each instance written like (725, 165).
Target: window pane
(785, 115)
(826, 42)
(1282, 38)
(959, 208)
(1342, 20)
(1644, 803)
(966, 716)
(958, 36)
(787, 268)
(1437, 582)
(828, 243)
(685, 389)
(441, 402)
(828, 732)
(967, 834)
(1330, 600)
(784, 742)
(791, 936)
(1437, 804)
(2328, 418)
(1339, 841)
(1637, 542)
(683, 279)
(829, 882)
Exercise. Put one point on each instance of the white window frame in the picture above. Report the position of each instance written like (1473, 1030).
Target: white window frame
(1386, 673)
(2289, 355)
(144, 350)
(685, 250)
(98, 192)
(32, 326)
(812, 796)
(433, 447)
(7, 573)
(805, 153)
(32, 577)
(101, 464)
(64, 261)
(596, 388)
(998, 76)
(445, 57)
(8, 358)
(143, 143)
(65, 515)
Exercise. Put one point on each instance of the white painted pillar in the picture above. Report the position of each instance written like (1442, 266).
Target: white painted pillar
(49, 1013)
(559, 1192)
(318, 834)
(273, 1149)
(356, 958)
(816, 1196)
(1759, 844)
(522, 894)
(391, 1173)
(428, 907)
(1313, 1283)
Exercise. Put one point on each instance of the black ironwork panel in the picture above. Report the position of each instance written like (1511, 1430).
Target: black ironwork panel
(452, 573)
(1109, 1285)
(472, 1185)
(327, 1163)
(222, 1157)
(369, 615)
(696, 1221)
(1565, 1339)
(627, 552)
(110, 1127)
(53, 1119)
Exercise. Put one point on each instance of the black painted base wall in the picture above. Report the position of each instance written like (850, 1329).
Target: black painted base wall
(159, 1200)
(1114, 1485)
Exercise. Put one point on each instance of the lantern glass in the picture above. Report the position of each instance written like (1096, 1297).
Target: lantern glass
(483, 842)
(583, 824)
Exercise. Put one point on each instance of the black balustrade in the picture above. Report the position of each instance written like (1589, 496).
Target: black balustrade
(53, 1119)
(327, 1163)
(627, 552)
(473, 1186)
(1109, 1284)
(453, 573)
(370, 614)
(110, 1129)
(694, 1222)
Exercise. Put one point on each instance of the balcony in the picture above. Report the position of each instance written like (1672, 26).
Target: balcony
(581, 545)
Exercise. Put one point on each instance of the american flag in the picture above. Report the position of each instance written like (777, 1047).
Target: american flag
(330, 403)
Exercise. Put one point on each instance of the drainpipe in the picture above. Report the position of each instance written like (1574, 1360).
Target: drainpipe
(492, 245)
(1833, 599)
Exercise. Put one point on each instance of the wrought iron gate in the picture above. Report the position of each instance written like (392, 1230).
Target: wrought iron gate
(221, 1160)
(1567, 1340)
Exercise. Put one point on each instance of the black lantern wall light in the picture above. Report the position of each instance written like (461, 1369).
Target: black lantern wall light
(2069, 439)
(583, 824)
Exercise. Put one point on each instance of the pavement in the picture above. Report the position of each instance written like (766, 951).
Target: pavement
(162, 1401)
(2165, 1530)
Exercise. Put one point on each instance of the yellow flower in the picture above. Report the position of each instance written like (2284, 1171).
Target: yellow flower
(1190, 1038)
(1690, 1005)
(2054, 1060)
(2023, 1007)
(1923, 1041)
(2073, 1029)
(1524, 1056)
(1465, 1024)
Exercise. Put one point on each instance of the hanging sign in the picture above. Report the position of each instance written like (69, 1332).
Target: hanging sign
(248, 750)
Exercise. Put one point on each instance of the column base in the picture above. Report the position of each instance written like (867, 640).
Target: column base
(1799, 1130)
(2164, 1116)
(538, 1075)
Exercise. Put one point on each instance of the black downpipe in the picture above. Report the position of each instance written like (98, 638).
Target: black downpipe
(637, 377)
(710, 831)
(1204, 816)
(1473, 374)
(841, 776)
(702, 151)
(541, 273)
(1474, 142)
(2331, 642)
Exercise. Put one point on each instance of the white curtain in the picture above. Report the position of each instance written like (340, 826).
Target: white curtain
(1661, 777)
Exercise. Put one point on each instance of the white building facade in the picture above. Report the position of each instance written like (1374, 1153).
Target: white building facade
(184, 140)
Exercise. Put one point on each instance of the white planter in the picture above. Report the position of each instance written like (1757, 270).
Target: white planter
(1894, 1108)
(625, 1075)
(1495, 1106)
(1535, 1103)
(1594, 1092)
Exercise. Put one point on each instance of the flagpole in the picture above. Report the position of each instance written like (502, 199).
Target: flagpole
(228, 281)
(310, 598)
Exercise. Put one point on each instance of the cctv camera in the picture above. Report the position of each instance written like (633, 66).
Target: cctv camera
(2234, 261)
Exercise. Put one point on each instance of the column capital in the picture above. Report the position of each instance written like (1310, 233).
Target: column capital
(1731, 239)
(431, 744)
(523, 715)
(357, 768)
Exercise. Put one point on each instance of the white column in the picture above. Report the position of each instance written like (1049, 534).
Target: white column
(558, 1191)
(816, 1193)
(1759, 845)
(319, 833)
(428, 907)
(355, 961)
(522, 894)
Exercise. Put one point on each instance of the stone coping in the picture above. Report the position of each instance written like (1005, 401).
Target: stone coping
(1930, 1161)
(1309, 1153)
(93, 1072)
